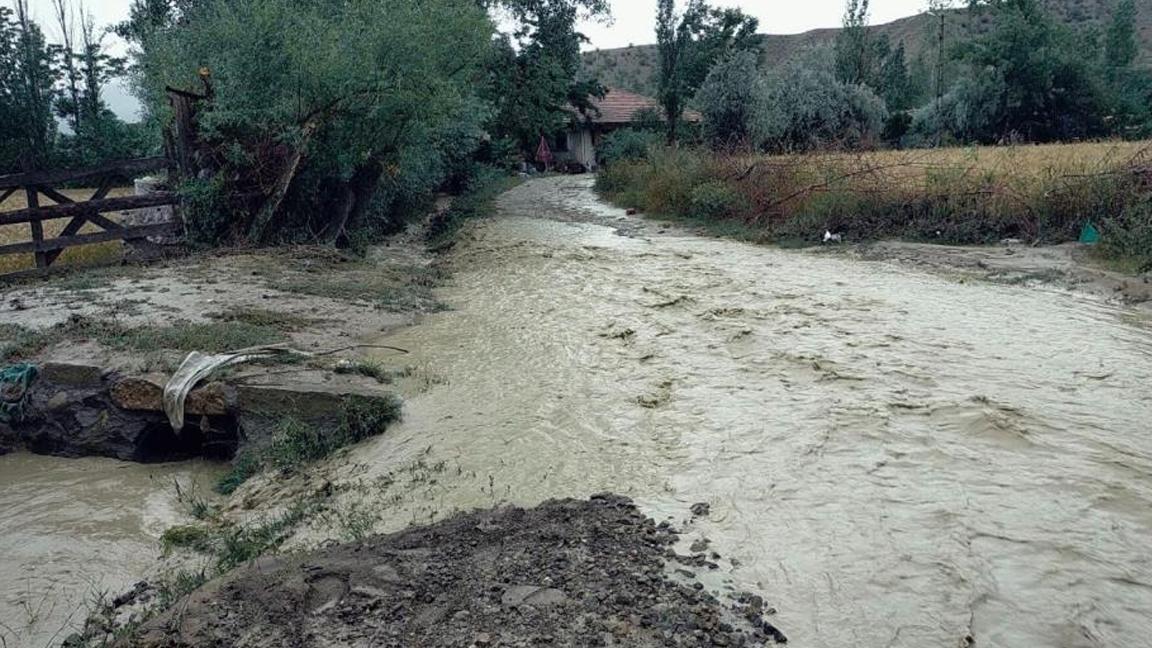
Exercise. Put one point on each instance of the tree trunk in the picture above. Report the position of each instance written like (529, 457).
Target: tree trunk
(359, 191)
(268, 221)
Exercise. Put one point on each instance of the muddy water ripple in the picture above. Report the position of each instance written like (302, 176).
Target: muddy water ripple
(892, 458)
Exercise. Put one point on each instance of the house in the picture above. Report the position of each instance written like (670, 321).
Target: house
(618, 109)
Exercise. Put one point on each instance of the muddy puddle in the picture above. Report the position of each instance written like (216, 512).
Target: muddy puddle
(892, 458)
(71, 529)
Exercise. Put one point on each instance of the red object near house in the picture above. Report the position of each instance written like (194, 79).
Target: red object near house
(544, 153)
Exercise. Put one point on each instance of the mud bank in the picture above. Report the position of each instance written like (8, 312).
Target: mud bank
(1067, 267)
(567, 573)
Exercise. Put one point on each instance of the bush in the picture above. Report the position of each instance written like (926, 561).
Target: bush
(296, 443)
(733, 100)
(809, 108)
(208, 216)
(715, 200)
(1128, 236)
(627, 145)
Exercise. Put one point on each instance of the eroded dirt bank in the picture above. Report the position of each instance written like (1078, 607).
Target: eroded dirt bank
(893, 457)
(568, 573)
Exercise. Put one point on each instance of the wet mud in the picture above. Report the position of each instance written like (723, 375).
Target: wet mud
(567, 573)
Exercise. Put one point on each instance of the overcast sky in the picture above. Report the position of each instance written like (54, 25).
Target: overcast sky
(633, 22)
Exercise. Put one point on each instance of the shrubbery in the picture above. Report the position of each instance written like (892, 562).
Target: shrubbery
(627, 144)
(956, 196)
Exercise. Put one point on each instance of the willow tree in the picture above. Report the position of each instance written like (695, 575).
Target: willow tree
(315, 104)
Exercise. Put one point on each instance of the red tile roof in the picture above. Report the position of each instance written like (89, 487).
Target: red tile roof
(620, 107)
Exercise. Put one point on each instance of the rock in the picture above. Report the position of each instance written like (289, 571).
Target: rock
(8, 439)
(701, 509)
(532, 595)
(146, 394)
(70, 412)
(72, 375)
(478, 579)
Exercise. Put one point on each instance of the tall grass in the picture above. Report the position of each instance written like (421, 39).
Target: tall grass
(1041, 194)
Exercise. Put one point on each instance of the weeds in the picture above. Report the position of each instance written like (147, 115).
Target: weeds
(211, 337)
(245, 465)
(295, 443)
(391, 288)
(263, 318)
(1041, 194)
(476, 202)
(368, 369)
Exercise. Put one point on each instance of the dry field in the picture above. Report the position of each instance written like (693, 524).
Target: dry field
(1021, 165)
(962, 195)
(93, 254)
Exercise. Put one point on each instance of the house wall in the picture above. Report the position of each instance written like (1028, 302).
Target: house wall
(581, 148)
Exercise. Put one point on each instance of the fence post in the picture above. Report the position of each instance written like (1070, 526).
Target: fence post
(37, 228)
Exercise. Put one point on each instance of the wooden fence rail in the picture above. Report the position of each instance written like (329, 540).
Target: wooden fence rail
(80, 212)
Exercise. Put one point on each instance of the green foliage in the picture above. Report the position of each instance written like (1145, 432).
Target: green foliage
(626, 144)
(27, 79)
(1122, 42)
(689, 45)
(210, 337)
(376, 96)
(715, 200)
(808, 107)
(476, 201)
(296, 443)
(733, 101)
(245, 466)
(1029, 78)
(185, 537)
(208, 215)
(534, 73)
(1128, 236)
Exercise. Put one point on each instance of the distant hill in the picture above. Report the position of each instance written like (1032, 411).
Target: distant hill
(633, 68)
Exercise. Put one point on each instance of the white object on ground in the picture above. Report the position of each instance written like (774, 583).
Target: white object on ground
(829, 237)
(198, 366)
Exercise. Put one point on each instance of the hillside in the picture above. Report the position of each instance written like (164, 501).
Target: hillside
(633, 68)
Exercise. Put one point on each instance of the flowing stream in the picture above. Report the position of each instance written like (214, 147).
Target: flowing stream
(892, 458)
(72, 530)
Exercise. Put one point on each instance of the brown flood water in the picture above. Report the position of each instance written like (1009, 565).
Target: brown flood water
(72, 528)
(893, 458)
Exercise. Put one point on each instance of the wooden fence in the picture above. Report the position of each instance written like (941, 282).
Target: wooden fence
(80, 212)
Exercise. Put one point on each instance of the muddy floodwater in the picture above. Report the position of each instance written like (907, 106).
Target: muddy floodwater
(71, 529)
(892, 458)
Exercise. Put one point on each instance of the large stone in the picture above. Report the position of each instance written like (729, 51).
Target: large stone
(72, 374)
(146, 394)
(78, 417)
(9, 442)
(260, 408)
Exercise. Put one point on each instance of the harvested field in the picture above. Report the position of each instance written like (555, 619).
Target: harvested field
(87, 255)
